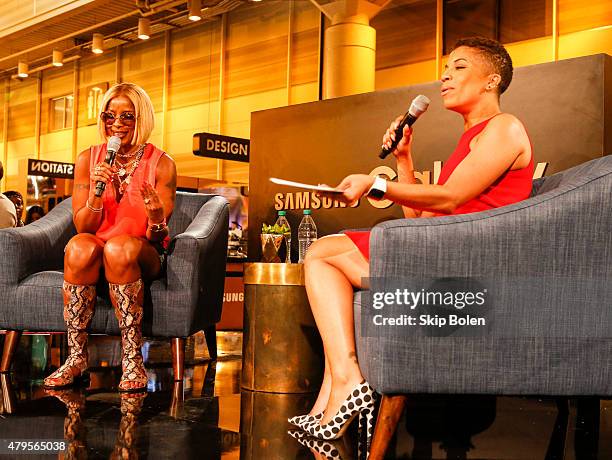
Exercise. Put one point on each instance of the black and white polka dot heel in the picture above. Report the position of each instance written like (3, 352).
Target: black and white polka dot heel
(328, 450)
(310, 420)
(300, 420)
(359, 403)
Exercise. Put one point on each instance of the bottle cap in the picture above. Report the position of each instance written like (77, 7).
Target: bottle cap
(307, 212)
(282, 213)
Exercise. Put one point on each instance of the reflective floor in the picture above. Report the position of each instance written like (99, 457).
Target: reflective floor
(208, 417)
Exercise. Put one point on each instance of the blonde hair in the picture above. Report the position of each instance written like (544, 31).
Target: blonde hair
(143, 107)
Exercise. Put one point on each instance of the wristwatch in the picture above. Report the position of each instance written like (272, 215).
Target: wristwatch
(378, 189)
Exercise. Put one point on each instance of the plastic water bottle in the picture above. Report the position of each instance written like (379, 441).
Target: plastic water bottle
(307, 234)
(282, 220)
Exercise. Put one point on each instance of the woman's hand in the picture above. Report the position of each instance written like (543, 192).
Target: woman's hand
(102, 172)
(153, 205)
(403, 148)
(353, 187)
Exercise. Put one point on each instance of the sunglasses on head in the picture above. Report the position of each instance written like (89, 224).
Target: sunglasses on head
(127, 118)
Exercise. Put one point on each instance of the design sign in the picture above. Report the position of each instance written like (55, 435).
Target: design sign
(222, 147)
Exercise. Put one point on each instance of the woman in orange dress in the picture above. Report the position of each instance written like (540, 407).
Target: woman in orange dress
(122, 234)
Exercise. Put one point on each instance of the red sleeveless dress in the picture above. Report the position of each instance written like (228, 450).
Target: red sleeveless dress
(126, 216)
(510, 187)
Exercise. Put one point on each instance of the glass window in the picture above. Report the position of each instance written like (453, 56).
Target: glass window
(61, 112)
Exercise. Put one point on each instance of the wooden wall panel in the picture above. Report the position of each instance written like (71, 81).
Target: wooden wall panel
(22, 109)
(57, 146)
(194, 65)
(305, 57)
(405, 33)
(3, 102)
(575, 15)
(585, 42)
(142, 63)
(256, 52)
(409, 74)
(94, 70)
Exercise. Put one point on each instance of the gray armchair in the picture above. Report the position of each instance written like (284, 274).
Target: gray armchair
(558, 342)
(184, 301)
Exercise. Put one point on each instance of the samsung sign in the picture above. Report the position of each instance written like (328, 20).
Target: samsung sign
(50, 169)
(222, 147)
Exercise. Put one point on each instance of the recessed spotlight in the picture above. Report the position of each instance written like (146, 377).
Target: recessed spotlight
(22, 69)
(58, 58)
(144, 28)
(97, 44)
(195, 10)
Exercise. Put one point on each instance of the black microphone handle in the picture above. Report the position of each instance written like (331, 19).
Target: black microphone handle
(100, 186)
(408, 119)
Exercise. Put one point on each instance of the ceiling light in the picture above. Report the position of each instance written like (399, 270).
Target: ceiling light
(144, 28)
(195, 10)
(97, 44)
(22, 69)
(58, 58)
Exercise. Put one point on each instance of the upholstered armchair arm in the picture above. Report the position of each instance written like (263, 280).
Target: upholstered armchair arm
(196, 264)
(36, 247)
(556, 232)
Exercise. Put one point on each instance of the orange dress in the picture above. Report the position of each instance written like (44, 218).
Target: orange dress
(511, 187)
(126, 216)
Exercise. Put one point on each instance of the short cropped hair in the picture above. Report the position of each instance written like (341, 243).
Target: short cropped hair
(143, 107)
(495, 54)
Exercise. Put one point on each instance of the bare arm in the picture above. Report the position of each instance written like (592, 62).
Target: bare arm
(161, 197)
(499, 146)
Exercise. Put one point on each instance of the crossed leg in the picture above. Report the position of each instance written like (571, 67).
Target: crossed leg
(333, 267)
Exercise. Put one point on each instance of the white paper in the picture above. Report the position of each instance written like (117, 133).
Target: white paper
(318, 188)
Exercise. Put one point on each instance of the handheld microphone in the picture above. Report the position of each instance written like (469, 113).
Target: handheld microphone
(112, 147)
(418, 106)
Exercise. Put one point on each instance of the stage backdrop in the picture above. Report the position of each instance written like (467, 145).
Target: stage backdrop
(566, 107)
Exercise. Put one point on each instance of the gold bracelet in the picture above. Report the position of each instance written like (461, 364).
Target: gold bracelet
(91, 208)
(156, 228)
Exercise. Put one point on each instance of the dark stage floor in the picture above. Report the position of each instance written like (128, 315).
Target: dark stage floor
(208, 417)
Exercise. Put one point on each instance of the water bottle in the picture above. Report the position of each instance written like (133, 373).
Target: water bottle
(307, 234)
(282, 220)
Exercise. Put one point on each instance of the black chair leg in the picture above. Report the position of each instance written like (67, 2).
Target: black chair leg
(556, 445)
(586, 436)
(11, 340)
(178, 358)
(210, 333)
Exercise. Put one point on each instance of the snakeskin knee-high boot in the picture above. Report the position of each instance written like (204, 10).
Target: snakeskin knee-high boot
(79, 301)
(127, 300)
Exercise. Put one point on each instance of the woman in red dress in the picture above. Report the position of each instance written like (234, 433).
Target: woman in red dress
(122, 234)
(492, 166)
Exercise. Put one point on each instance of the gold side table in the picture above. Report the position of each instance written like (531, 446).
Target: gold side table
(282, 351)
